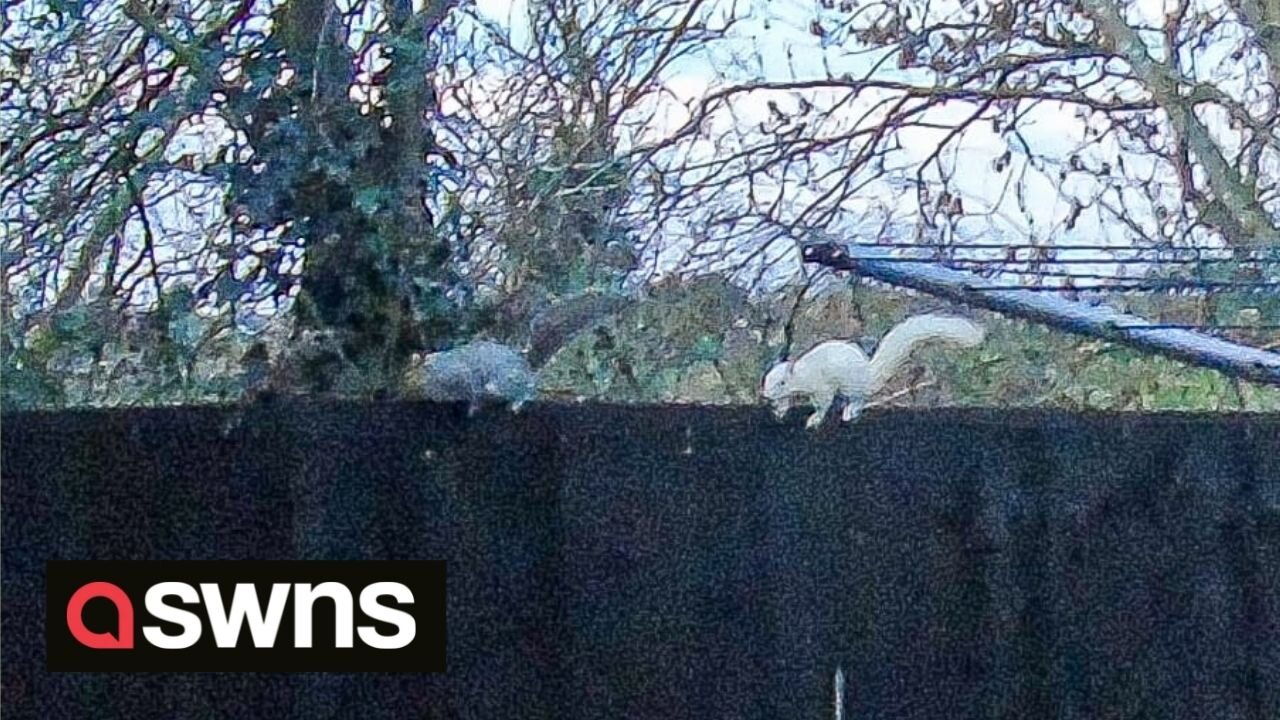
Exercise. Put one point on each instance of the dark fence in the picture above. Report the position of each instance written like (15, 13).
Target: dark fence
(609, 562)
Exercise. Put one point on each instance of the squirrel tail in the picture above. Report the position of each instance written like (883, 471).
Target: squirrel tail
(898, 344)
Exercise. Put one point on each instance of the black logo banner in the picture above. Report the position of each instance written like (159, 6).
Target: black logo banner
(223, 616)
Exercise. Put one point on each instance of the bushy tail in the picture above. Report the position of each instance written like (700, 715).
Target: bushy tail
(898, 344)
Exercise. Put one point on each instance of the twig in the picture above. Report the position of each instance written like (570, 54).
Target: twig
(904, 391)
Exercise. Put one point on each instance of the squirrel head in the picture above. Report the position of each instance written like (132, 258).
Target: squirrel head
(776, 381)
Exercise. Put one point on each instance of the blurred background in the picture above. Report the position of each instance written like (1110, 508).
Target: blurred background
(205, 200)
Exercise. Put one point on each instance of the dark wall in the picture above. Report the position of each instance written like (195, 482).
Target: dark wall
(691, 562)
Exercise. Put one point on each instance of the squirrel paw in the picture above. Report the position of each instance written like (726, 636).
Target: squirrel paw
(850, 412)
(814, 421)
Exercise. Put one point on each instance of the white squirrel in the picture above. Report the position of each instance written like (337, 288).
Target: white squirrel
(838, 368)
(478, 371)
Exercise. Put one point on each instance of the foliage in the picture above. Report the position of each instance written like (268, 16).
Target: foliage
(691, 342)
(204, 201)
(91, 356)
(706, 342)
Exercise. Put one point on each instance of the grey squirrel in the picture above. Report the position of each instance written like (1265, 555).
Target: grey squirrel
(478, 371)
(838, 368)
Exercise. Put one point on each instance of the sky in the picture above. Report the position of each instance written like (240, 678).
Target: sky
(773, 42)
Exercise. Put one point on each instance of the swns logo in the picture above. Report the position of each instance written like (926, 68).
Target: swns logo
(139, 616)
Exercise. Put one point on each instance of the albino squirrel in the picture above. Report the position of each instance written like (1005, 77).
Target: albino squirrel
(475, 372)
(840, 368)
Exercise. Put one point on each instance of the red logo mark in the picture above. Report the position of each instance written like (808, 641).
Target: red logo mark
(123, 639)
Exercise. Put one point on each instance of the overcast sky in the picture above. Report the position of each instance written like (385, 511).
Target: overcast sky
(772, 42)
